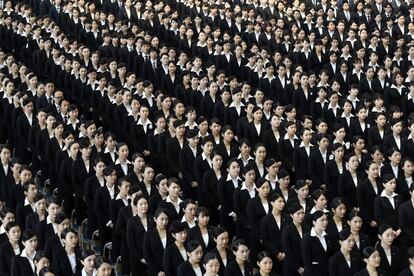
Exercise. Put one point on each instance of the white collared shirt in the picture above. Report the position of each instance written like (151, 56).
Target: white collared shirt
(111, 191)
(176, 205)
(32, 205)
(29, 258)
(252, 192)
(124, 200)
(190, 224)
(390, 198)
(49, 221)
(124, 166)
(94, 273)
(234, 181)
(321, 238)
(204, 157)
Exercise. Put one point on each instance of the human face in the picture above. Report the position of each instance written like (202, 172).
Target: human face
(212, 267)
(234, 169)
(71, 240)
(390, 185)
(32, 191)
(222, 240)
(174, 190)
(142, 206)
(104, 270)
(279, 204)
(250, 176)
(14, 234)
(264, 190)
(89, 263)
(321, 223)
(161, 221)
(31, 245)
(196, 255)
(348, 244)
(340, 211)
(43, 262)
(299, 216)
(265, 265)
(190, 210)
(242, 253)
(5, 155)
(321, 202)
(123, 152)
(260, 153)
(208, 148)
(374, 260)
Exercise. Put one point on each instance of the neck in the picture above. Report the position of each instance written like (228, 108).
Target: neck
(69, 250)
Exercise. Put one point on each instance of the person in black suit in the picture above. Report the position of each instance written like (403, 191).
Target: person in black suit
(41, 262)
(211, 264)
(68, 260)
(137, 226)
(45, 228)
(270, 227)
(387, 204)
(24, 122)
(317, 161)
(372, 259)
(386, 249)
(26, 207)
(202, 232)
(156, 240)
(175, 254)
(287, 145)
(187, 156)
(349, 181)
(223, 253)
(410, 269)
(33, 219)
(103, 198)
(240, 265)
(366, 193)
(192, 266)
(337, 221)
(291, 239)
(377, 133)
(92, 185)
(317, 247)
(88, 261)
(172, 203)
(345, 261)
(404, 181)
(22, 265)
(405, 215)
(10, 248)
(6, 215)
(54, 243)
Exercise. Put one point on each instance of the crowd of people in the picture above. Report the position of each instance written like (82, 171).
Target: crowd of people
(206, 137)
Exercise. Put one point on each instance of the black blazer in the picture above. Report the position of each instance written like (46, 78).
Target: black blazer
(172, 259)
(135, 238)
(406, 272)
(366, 197)
(255, 215)
(195, 234)
(271, 234)
(233, 269)
(331, 176)
(347, 189)
(364, 272)
(52, 246)
(102, 206)
(186, 269)
(397, 260)
(291, 242)
(405, 218)
(301, 162)
(316, 167)
(315, 258)
(44, 232)
(153, 250)
(32, 221)
(62, 265)
(20, 266)
(338, 266)
(6, 256)
(385, 213)
(252, 134)
(230, 258)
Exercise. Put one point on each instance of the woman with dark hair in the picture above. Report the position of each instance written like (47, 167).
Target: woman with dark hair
(366, 193)
(392, 260)
(160, 183)
(372, 259)
(68, 260)
(410, 269)
(334, 168)
(41, 261)
(349, 181)
(10, 248)
(65, 177)
(393, 94)
(317, 247)
(257, 208)
(137, 226)
(88, 261)
(336, 222)
(202, 232)
(240, 265)
(387, 204)
(265, 264)
(211, 264)
(224, 255)
(291, 239)
(23, 264)
(156, 241)
(345, 262)
(175, 254)
(192, 267)
(355, 224)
